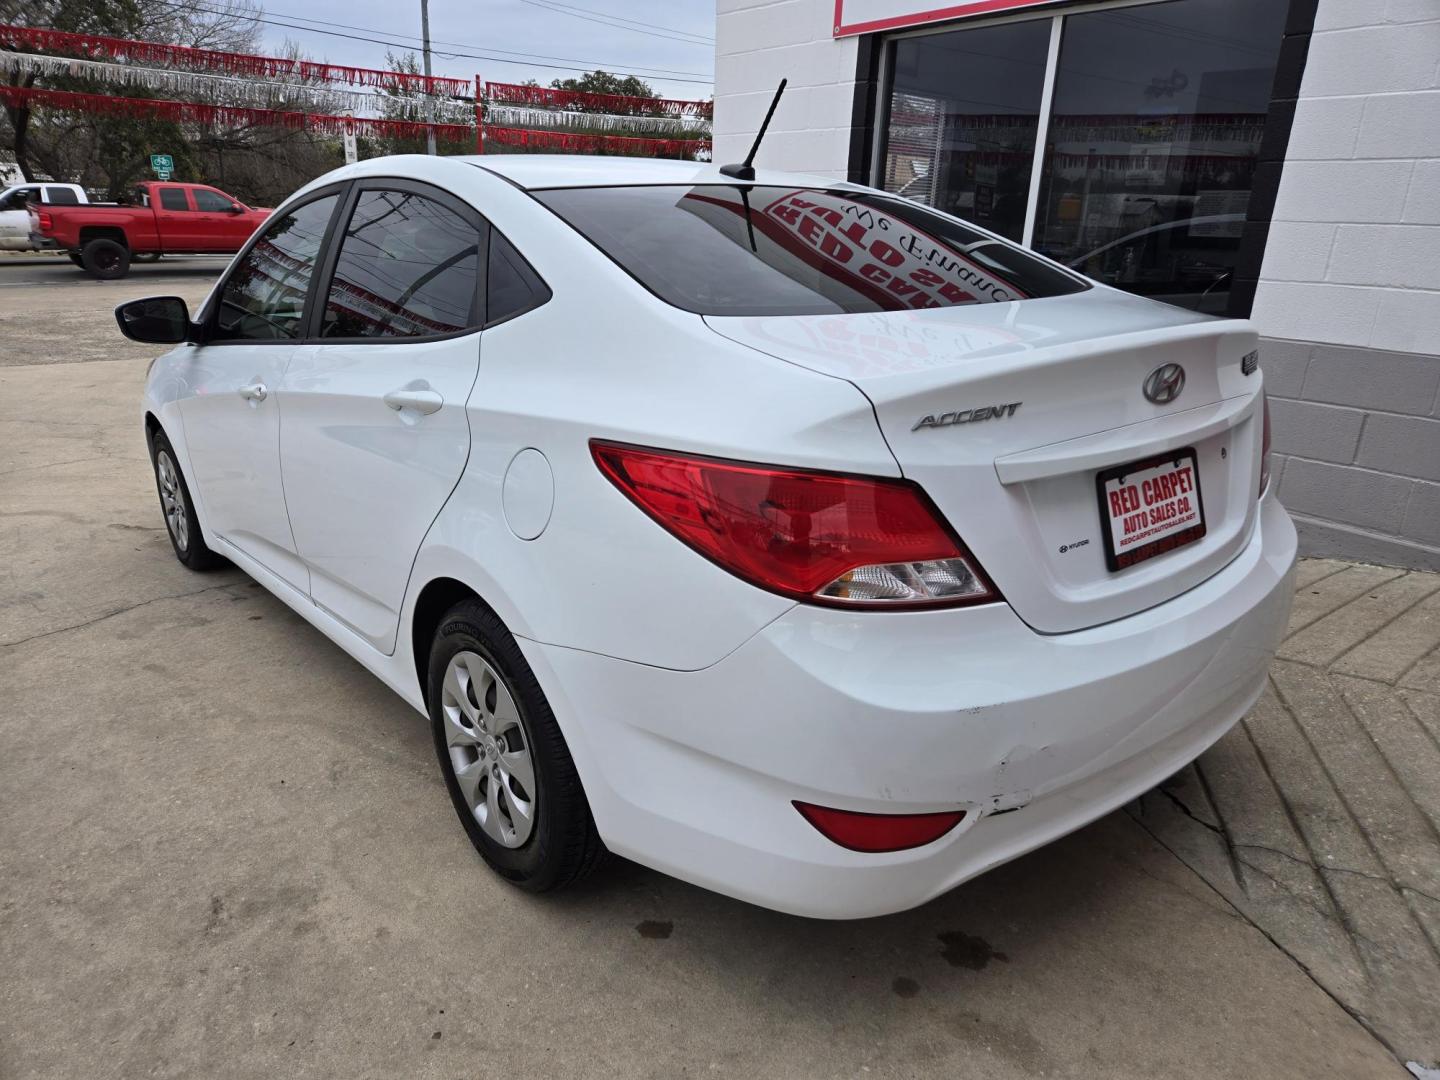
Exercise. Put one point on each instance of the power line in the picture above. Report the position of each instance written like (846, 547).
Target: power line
(636, 22)
(459, 44)
(611, 25)
(371, 40)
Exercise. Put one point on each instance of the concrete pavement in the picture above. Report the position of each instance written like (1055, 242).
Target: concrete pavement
(225, 850)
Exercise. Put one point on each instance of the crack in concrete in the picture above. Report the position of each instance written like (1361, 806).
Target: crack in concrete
(1180, 805)
(1354, 1014)
(112, 614)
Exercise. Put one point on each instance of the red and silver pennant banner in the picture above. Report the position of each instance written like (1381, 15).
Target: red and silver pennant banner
(226, 63)
(547, 97)
(266, 93)
(570, 142)
(232, 115)
(519, 116)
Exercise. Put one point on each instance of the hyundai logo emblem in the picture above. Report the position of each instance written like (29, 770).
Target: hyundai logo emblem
(1163, 385)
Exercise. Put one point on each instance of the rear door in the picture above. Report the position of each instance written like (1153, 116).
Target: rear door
(255, 330)
(375, 434)
(175, 218)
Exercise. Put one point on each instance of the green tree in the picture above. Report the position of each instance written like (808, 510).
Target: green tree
(602, 82)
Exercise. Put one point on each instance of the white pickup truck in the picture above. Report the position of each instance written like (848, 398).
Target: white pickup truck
(15, 219)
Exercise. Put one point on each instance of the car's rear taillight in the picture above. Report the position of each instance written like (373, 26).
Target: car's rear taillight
(1264, 447)
(822, 537)
(47, 222)
(879, 832)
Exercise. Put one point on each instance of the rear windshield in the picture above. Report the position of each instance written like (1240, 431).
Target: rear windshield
(740, 250)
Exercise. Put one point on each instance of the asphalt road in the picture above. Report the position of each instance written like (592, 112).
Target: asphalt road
(226, 851)
(19, 271)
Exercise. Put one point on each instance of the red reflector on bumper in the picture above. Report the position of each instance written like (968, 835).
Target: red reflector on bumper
(879, 832)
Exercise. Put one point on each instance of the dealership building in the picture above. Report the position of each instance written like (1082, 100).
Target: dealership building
(1271, 159)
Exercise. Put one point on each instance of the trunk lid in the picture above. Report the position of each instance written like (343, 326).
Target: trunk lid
(1006, 413)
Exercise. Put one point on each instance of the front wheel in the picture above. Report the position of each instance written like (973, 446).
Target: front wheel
(505, 762)
(179, 512)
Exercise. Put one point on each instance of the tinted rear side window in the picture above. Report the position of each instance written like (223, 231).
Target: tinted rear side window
(59, 196)
(512, 288)
(734, 250)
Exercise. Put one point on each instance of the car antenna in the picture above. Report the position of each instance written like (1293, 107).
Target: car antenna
(746, 169)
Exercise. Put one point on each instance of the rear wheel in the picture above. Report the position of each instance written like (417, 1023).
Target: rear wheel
(510, 775)
(106, 259)
(179, 512)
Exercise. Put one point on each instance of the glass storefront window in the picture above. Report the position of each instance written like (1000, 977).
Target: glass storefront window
(1151, 145)
(1154, 135)
(963, 112)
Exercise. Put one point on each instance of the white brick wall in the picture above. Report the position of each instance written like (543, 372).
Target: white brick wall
(759, 42)
(1351, 286)
(1364, 160)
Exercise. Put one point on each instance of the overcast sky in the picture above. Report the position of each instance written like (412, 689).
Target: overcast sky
(625, 36)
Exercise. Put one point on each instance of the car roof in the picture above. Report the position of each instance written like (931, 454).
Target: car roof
(537, 171)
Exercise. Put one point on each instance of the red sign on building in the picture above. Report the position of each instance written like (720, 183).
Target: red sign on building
(868, 16)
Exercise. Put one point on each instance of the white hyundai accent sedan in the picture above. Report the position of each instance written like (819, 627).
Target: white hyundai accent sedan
(779, 534)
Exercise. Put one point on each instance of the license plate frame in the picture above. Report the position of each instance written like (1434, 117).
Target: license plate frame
(1115, 561)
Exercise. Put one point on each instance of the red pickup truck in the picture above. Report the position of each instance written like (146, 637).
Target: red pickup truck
(159, 219)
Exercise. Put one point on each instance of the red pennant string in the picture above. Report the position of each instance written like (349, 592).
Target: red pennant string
(231, 115)
(90, 46)
(532, 138)
(515, 94)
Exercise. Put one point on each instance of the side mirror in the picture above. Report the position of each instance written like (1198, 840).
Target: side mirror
(236, 208)
(156, 320)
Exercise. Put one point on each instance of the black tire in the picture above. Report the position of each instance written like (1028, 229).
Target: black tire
(107, 260)
(563, 845)
(178, 510)
(74, 257)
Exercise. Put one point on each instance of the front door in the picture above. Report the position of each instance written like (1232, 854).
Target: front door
(220, 225)
(15, 218)
(255, 333)
(375, 435)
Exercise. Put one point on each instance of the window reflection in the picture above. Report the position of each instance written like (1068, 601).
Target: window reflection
(1154, 136)
(964, 109)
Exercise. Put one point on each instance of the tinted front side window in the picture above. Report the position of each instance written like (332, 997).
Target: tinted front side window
(173, 198)
(212, 201)
(264, 298)
(722, 250)
(408, 267)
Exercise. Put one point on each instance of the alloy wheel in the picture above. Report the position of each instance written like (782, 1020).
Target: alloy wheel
(489, 750)
(172, 500)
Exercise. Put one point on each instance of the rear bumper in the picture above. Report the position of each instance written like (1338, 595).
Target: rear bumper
(42, 243)
(693, 773)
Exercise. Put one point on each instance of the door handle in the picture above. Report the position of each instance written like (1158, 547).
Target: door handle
(254, 392)
(424, 402)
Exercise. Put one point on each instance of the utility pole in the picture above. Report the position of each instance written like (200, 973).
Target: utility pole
(429, 98)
